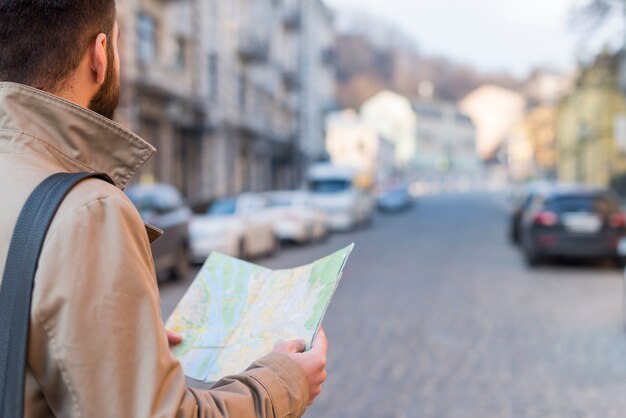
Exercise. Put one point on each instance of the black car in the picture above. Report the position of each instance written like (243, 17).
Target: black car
(579, 222)
(517, 214)
(522, 203)
(162, 206)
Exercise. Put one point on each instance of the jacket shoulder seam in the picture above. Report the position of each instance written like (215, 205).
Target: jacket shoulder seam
(68, 216)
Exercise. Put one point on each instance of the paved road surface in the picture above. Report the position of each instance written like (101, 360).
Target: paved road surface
(437, 316)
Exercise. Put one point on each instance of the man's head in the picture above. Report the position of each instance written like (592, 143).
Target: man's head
(65, 47)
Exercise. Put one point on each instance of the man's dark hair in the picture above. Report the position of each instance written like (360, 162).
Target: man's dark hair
(43, 41)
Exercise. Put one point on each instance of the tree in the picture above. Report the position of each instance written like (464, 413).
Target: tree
(595, 13)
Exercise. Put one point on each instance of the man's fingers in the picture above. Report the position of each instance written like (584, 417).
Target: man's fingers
(173, 338)
(320, 343)
(314, 394)
(297, 346)
(312, 363)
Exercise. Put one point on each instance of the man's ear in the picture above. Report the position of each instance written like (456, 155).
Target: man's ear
(99, 59)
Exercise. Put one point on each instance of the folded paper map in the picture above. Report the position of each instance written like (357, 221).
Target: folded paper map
(235, 312)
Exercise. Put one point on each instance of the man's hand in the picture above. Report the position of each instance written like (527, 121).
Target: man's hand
(173, 338)
(313, 362)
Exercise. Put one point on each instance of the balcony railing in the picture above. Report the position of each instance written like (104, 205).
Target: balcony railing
(159, 81)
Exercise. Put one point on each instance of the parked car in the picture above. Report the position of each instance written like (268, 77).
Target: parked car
(395, 199)
(238, 226)
(162, 206)
(576, 222)
(295, 218)
(521, 203)
(336, 191)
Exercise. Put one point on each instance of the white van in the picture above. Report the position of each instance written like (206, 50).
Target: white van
(335, 191)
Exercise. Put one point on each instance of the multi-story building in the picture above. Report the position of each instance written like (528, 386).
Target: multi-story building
(547, 88)
(158, 46)
(251, 55)
(317, 75)
(531, 145)
(494, 111)
(591, 121)
(353, 143)
(232, 93)
(519, 154)
(392, 116)
(446, 137)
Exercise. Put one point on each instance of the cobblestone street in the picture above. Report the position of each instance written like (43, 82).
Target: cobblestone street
(437, 316)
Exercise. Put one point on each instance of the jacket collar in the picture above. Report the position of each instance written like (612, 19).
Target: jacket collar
(82, 140)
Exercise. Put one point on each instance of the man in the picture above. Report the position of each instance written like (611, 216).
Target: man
(97, 345)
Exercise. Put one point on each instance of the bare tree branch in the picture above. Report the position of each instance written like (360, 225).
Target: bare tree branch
(594, 14)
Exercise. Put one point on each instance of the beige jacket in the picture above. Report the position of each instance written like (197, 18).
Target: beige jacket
(97, 343)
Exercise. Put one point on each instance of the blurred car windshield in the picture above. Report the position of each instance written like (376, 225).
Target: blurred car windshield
(223, 207)
(159, 198)
(595, 204)
(329, 186)
(397, 193)
(281, 201)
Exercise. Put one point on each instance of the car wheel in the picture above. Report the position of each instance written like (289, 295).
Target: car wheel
(514, 236)
(620, 261)
(310, 235)
(243, 250)
(275, 246)
(181, 268)
(367, 222)
(532, 258)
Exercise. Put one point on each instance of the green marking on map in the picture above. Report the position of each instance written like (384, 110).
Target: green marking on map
(235, 312)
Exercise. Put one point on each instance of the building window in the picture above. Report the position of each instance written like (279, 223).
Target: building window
(180, 60)
(243, 90)
(146, 39)
(213, 77)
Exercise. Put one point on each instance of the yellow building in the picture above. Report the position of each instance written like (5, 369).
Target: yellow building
(532, 144)
(540, 124)
(587, 141)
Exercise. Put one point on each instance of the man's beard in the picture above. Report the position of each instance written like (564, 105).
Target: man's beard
(106, 100)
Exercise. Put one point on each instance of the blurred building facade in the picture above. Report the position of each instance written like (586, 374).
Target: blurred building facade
(591, 126)
(494, 111)
(318, 75)
(392, 116)
(158, 94)
(232, 93)
(531, 145)
(545, 87)
(446, 138)
(351, 142)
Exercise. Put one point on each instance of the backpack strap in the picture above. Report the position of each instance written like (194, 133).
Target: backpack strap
(17, 283)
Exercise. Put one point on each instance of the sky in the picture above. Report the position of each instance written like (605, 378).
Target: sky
(493, 35)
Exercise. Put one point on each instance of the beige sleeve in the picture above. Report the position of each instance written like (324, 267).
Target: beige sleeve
(102, 350)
